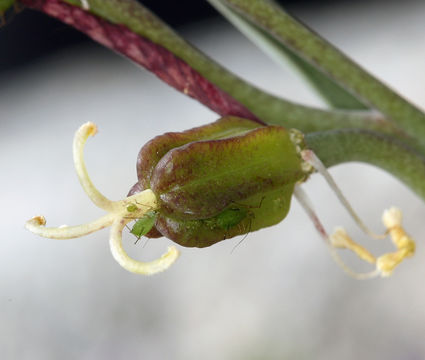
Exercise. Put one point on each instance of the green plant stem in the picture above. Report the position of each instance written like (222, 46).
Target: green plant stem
(333, 63)
(338, 146)
(335, 95)
(372, 138)
(268, 108)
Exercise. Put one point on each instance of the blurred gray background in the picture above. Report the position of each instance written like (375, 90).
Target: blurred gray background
(279, 295)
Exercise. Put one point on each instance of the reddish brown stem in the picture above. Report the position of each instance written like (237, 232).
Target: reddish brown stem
(144, 52)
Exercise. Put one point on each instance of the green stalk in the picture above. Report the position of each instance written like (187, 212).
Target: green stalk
(338, 146)
(335, 95)
(332, 62)
(268, 108)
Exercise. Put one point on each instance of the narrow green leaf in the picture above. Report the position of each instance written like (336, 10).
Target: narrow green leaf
(325, 57)
(335, 95)
(268, 108)
(338, 146)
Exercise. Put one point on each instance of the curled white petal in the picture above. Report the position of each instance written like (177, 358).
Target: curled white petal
(135, 266)
(80, 138)
(37, 226)
(118, 214)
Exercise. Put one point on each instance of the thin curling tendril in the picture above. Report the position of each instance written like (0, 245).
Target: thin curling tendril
(117, 216)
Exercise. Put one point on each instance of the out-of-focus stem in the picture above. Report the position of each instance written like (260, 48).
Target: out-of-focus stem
(338, 146)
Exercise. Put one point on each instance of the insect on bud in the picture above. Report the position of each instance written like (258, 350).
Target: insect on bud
(220, 180)
(214, 182)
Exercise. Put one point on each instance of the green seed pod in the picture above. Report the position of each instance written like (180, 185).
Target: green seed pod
(220, 180)
(200, 179)
(233, 221)
(153, 151)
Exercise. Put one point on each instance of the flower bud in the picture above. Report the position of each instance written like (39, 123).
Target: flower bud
(220, 180)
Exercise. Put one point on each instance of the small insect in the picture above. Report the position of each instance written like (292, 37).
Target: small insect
(228, 218)
(143, 225)
(132, 208)
(236, 214)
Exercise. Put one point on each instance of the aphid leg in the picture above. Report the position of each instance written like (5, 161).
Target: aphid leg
(251, 206)
(310, 157)
(137, 238)
(138, 267)
(37, 226)
(259, 205)
(340, 242)
(243, 239)
(80, 138)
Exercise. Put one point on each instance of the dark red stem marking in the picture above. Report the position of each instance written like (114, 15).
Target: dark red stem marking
(142, 51)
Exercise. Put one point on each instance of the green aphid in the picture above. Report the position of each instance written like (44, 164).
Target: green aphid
(231, 217)
(143, 225)
(132, 208)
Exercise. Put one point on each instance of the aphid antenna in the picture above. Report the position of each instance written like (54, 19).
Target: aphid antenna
(129, 230)
(138, 203)
(245, 236)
